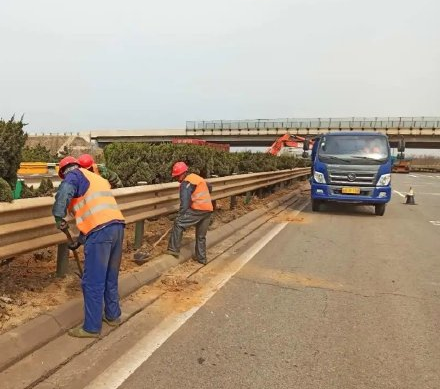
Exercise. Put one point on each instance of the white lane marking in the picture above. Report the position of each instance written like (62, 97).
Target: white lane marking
(435, 222)
(400, 194)
(116, 374)
(438, 176)
(430, 176)
(412, 175)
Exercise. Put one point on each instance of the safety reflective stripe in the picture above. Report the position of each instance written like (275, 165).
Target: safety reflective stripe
(202, 201)
(91, 211)
(91, 197)
(200, 194)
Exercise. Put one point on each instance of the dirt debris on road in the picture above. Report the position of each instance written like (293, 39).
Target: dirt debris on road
(30, 287)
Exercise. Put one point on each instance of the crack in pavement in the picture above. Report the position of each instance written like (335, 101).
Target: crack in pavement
(259, 282)
(326, 289)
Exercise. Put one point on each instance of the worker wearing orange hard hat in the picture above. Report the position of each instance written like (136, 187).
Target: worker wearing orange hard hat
(88, 198)
(86, 161)
(195, 210)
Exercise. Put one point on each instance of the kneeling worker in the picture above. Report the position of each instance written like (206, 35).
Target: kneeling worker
(88, 197)
(195, 210)
(86, 161)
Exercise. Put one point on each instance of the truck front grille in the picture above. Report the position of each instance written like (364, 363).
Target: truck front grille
(352, 178)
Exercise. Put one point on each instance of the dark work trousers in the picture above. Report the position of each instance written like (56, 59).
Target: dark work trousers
(103, 252)
(190, 218)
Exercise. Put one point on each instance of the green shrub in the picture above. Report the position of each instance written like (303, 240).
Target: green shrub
(28, 192)
(46, 188)
(5, 191)
(135, 162)
(38, 153)
(12, 139)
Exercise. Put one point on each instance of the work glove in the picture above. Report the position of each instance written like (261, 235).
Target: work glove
(74, 246)
(61, 223)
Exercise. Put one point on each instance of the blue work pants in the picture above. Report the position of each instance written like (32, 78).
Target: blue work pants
(103, 252)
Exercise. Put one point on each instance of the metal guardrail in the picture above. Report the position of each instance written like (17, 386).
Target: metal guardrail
(27, 225)
(420, 167)
(318, 123)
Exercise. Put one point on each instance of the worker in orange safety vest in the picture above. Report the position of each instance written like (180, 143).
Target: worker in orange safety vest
(195, 210)
(88, 197)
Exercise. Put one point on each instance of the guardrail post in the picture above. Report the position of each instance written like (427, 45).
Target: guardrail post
(260, 193)
(62, 260)
(248, 198)
(233, 202)
(138, 233)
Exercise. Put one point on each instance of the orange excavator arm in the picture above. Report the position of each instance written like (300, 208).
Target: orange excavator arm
(283, 141)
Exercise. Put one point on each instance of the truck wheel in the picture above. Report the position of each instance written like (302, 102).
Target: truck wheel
(316, 204)
(379, 209)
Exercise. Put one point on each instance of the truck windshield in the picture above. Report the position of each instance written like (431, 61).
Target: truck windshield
(352, 149)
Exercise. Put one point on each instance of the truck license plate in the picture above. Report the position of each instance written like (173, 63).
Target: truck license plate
(351, 191)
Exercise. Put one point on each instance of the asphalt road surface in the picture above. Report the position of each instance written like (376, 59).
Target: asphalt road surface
(336, 299)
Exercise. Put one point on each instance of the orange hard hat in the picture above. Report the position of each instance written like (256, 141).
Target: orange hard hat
(179, 168)
(66, 161)
(85, 161)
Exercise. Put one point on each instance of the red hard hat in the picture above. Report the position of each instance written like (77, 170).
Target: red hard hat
(179, 168)
(66, 162)
(85, 161)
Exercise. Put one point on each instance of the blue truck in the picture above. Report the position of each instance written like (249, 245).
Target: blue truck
(351, 167)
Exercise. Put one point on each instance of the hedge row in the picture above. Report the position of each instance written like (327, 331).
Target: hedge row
(135, 162)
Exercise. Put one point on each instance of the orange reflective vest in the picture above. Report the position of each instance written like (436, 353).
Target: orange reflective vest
(97, 206)
(200, 199)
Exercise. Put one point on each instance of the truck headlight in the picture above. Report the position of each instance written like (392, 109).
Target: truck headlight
(319, 177)
(384, 180)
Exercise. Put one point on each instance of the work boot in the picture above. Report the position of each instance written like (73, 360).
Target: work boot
(173, 253)
(112, 323)
(202, 261)
(79, 332)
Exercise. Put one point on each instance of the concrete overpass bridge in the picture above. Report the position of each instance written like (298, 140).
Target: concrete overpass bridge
(418, 132)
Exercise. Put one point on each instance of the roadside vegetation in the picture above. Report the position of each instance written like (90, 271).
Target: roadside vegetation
(135, 162)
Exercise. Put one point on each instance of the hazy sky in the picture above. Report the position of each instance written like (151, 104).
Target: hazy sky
(82, 65)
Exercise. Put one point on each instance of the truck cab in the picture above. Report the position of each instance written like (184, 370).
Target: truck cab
(351, 167)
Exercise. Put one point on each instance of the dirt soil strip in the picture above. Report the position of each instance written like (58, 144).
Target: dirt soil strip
(29, 286)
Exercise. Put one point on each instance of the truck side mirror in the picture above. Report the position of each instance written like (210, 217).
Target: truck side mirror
(306, 145)
(401, 145)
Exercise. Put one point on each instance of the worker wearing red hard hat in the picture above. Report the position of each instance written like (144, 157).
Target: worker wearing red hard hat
(89, 199)
(86, 161)
(195, 210)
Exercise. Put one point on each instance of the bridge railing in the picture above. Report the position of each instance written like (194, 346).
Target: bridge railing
(27, 225)
(319, 123)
